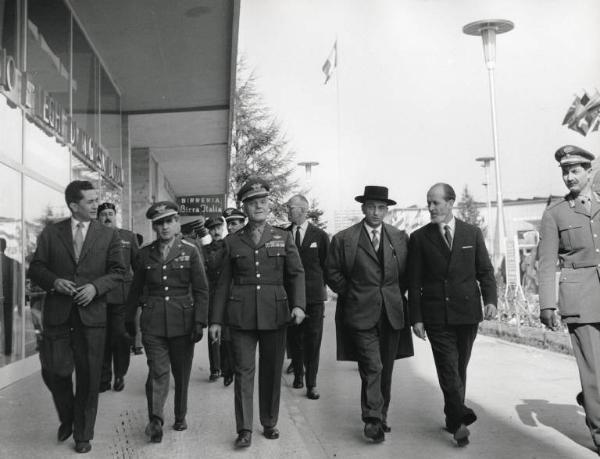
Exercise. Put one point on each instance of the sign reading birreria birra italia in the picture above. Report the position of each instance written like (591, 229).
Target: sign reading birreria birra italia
(209, 205)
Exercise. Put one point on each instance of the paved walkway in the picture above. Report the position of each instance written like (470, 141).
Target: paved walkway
(524, 398)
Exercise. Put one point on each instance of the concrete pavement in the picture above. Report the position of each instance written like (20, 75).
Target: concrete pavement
(524, 397)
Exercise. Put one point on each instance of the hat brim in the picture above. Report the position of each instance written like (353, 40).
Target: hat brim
(573, 161)
(213, 224)
(362, 199)
(236, 217)
(254, 195)
(167, 214)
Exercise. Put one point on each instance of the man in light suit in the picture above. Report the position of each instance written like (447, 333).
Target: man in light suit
(569, 237)
(449, 272)
(304, 340)
(366, 267)
(77, 262)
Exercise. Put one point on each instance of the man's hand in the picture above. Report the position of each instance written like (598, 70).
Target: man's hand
(489, 311)
(297, 315)
(197, 332)
(85, 294)
(419, 330)
(64, 286)
(215, 333)
(549, 319)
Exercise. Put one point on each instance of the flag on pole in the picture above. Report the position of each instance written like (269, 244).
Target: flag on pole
(331, 63)
(583, 115)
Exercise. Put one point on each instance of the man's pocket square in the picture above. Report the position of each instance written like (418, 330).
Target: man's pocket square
(467, 246)
(313, 245)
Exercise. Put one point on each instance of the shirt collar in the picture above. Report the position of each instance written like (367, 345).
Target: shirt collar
(451, 224)
(303, 226)
(370, 229)
(74, 223)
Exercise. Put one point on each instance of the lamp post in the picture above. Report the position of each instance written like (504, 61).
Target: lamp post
(308, 165)
(488, 29)
(485, 163)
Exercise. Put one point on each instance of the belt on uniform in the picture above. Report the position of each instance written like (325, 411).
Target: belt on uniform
(581, 264)
(172, 292)
(256, 281)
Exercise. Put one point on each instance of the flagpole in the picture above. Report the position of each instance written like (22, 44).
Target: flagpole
(338, 116)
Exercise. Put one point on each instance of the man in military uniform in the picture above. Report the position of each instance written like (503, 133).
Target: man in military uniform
(116, 352)
(213, 262)
(260, 291)
(569, 238)
(174, 312)
(235, 219)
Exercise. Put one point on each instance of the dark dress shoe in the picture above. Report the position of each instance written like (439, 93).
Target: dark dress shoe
(272, 433)
(214, 376)
(290, 369)
(244, 439)
(385, 427)
(374, 431)
(180, 424)
(83, 446)
(104, 386)
(298, 383)
(461, 435)
(227, 380)
(313, 393)
(138, 350)
(154, 430)
(119, 384)
(64, 431)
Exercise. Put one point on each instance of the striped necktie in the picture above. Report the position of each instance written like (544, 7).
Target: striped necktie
(78, 240)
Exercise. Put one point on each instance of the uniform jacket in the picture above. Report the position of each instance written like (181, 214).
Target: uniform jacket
(100, 263)
(173, 292)
(367, 287)
(569, 239)
(446, 286)
(213, 262)
(259, 285)
(129, 251)
(313, 253)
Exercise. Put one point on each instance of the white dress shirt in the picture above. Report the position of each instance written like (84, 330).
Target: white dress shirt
(302, 228)
(84, 230)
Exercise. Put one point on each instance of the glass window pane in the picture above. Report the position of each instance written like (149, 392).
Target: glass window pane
(8, 27)
(80, 171)
(45, 155)
(48, 44)
(85, 84)
(11, 131)
(11, 256)
(110, 118)
(42, 205)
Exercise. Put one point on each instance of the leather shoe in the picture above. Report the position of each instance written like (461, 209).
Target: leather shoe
(227, 380)
(385, 427)
(119, 384)
(180, 424)
(137, 350)
(154, 430)
(374, 431)
(298, 383)
(312, 393)
(461, 435)
(214, 376)
(290, 369)
(83, 446)
(64, 431)
(272, 433)
(244, 439)
(104, 386)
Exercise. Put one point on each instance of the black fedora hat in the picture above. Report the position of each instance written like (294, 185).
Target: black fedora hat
(375, 193)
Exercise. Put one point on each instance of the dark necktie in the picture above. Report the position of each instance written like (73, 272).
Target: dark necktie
(78, 240)
(297, 238)
(448, 235)
(375, 240)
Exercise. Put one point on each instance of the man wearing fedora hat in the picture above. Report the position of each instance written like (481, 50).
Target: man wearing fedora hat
(449, 272)
(569, 238)
(366, 267)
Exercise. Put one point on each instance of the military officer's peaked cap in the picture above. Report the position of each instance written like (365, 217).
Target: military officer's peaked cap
(160, 210)
(212, 222)
(253, 188)
(231, 213)
(570, 154)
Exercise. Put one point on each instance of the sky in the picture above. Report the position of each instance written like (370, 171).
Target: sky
(408, 104)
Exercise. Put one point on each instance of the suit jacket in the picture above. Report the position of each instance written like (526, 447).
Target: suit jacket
(129, 251)
(173, 291)
(313, 253)
(259, 284)
(569, 237)
(368, 287)
(100, 263)
(446, 286)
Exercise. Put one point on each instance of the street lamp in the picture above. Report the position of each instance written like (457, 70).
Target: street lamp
(486, 160)
(488, 29)
(308, 165)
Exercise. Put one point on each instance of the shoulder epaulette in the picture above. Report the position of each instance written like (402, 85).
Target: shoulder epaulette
(556, 203)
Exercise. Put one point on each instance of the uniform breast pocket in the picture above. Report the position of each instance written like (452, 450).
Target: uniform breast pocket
(277, 254)
(181, 270)
(571, 236)
(238, 259)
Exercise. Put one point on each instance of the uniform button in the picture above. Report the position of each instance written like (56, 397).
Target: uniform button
(167, 298)
(164, 266)
(257, 274)
(256, 263)
(164, 277)
(258, 287)
(595, 235)
(597, 250)
(166, 288)
(447, 298)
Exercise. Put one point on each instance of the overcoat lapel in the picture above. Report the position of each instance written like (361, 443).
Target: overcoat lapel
(460, 238)
(89, 240)
(434, 235)
(364, 242)
(66, 236)
(350, 247)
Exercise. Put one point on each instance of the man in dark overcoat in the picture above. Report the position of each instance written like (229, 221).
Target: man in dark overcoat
(366, 267)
